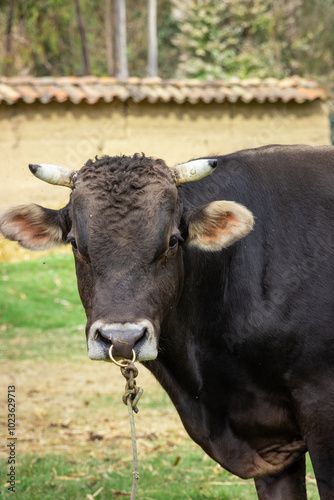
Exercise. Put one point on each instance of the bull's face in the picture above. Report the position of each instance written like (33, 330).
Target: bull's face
(126, 225)
(125, 216)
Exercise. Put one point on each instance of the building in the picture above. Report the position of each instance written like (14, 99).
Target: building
(67, 120)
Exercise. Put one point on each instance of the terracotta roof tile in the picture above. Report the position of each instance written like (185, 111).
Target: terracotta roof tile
(46, 94)
(92, 89)
(27, 93)
(9, 94)
(91, 93)
(58, 93)
(74, 93)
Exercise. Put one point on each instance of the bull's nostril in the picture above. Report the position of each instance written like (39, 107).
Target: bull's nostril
(123, 336)
(101, 336)
(142, 337)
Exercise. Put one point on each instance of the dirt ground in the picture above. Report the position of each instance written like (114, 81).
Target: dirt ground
(66, 408)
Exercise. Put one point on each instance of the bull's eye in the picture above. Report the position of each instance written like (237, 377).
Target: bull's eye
(174, 241)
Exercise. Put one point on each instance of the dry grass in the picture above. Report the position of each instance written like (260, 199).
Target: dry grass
(64, 408)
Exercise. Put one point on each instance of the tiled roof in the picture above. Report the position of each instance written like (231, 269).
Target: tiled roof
(91, 89)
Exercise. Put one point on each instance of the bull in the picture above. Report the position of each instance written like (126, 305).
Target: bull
(235, 322)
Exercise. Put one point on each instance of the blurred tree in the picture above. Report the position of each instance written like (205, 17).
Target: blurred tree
(167, 25)
(136, 37)
(109, 13)
(208, 41)
(152, 69)
(315, 28)
(219, 39)
(196, 38)
(263, 38)
(121, 59)
(41, 38)
(8, 42)
(82, 32)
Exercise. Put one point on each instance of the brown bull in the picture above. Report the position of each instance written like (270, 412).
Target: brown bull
(239, 331)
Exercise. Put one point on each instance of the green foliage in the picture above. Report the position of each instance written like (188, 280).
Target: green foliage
(45, 37)
(261, 38)
(223, 39)
(315, 44)
(42, 37)
(168, 52)
(203, 39)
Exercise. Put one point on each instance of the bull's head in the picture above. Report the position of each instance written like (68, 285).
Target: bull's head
(128, 230)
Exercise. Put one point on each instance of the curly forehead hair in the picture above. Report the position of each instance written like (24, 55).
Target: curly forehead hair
(121, 184)
(135, 171)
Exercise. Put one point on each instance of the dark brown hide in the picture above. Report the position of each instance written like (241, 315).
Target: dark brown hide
(124, 212)
(238, 331)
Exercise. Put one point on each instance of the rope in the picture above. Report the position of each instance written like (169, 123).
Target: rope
(134, 451)
(130, 398)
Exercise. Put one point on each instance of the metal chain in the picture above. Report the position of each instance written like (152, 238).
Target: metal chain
(132, 392)
(130, 398)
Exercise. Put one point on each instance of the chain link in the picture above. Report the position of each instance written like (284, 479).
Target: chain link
(132, 392)
(130, 398)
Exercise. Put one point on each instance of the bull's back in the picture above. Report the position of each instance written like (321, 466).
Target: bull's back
(283, 272)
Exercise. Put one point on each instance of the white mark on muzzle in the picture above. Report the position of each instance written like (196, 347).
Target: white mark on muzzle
(145, 350)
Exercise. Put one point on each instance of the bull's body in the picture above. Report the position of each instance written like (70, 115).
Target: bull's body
(246, 340)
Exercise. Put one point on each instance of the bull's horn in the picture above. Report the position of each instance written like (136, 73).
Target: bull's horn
(193, 170)
(54, 174)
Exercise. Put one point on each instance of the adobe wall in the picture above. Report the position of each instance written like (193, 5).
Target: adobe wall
(68, 134)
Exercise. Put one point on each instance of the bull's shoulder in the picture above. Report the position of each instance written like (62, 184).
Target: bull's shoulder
(253, 176)
(301, 151)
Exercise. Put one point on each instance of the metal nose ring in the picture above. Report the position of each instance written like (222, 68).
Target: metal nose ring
(125, 361)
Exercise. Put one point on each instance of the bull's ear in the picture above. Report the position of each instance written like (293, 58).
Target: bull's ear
(32, 226)
(219, 225)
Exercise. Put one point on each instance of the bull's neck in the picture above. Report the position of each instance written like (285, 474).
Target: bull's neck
(191, 337)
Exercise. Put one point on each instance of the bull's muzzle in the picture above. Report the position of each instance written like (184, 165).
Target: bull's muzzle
(122, 340)
(125, 337)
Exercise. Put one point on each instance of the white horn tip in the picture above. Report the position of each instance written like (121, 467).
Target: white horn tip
(194, 170)
(33, 167)
(204, 166)
(212, 163)
(53, 174)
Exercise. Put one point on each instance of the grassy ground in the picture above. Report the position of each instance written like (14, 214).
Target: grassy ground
(73, 437)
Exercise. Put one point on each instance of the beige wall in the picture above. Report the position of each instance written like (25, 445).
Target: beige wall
(68, 135)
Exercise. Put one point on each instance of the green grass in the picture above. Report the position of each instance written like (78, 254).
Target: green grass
(36, 300)
(21, 343)
(41, 315)
(40, 294)
(178, 474)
